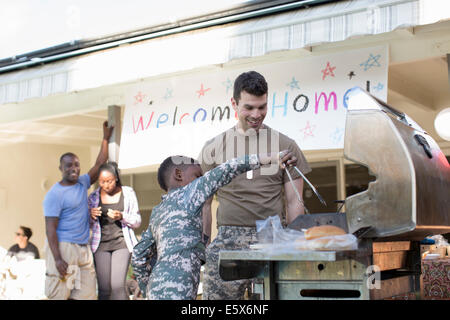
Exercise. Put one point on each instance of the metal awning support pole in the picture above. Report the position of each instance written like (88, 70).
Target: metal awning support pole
(114, 143)
(340, 181)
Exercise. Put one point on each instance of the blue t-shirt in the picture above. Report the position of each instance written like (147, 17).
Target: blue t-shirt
(70, 205)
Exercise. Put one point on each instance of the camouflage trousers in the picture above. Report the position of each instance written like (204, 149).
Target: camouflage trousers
(175, 277)
(228, 238)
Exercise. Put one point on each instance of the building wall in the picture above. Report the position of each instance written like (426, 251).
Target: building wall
(28, 171)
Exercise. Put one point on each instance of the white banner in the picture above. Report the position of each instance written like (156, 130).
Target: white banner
(306, 101)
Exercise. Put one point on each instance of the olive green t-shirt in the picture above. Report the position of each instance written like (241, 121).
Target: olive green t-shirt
(257, 194)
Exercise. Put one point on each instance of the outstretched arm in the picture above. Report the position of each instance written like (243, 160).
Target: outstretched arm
(205, 186)
(103, 154)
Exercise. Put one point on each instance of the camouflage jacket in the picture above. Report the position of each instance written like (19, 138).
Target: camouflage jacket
(176, 223)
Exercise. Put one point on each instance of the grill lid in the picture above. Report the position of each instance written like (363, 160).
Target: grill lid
(410, 197)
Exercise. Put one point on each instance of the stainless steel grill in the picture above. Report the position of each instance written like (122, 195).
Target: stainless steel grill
(410, 197)
(408, 201)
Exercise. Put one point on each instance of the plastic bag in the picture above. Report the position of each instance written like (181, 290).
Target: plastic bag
(439, 240)
(270, 231)
(442, 246)
(273, 237)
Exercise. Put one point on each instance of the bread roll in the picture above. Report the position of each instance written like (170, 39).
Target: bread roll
(332, 243)
(323, 231)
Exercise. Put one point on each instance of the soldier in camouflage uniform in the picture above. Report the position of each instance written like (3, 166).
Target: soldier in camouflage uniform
(175, 228)
(143, 259)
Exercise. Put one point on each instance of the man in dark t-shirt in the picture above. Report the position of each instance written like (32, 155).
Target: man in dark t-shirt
(23, 247)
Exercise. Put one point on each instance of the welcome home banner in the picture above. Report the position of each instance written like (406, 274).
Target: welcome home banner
(306, 101)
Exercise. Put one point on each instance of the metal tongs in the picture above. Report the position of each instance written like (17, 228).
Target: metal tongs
(309, 183)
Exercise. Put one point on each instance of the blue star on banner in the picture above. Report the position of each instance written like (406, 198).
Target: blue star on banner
(379, 86)
(337, 135)
(169, 94)
(371, 62)
(228, 84)
(293, 84)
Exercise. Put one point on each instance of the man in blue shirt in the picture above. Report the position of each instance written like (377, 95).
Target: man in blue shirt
(70, 269)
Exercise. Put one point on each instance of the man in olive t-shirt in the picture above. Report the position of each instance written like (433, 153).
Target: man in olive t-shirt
(256, 195)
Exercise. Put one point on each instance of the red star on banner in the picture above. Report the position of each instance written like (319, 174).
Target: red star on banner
(308, 130)
(139, 98)
(202, 91)
(328, 71)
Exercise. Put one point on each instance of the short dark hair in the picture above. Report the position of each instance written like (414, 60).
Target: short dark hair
(27, 232)
(113, 168)
(67, 154)
(168, 165)
(251, 82)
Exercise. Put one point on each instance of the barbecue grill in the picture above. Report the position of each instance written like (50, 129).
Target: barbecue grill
(408, 201)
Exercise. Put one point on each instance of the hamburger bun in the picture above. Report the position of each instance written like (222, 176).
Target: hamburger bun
(331, 243)
(323, 231)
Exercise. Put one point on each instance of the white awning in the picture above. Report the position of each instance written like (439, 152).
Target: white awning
(293, 30)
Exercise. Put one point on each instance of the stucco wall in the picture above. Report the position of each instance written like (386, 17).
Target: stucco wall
(27, 171)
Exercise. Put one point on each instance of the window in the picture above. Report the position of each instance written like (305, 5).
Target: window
(324, 178)
(357, 178)
(148, 194)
